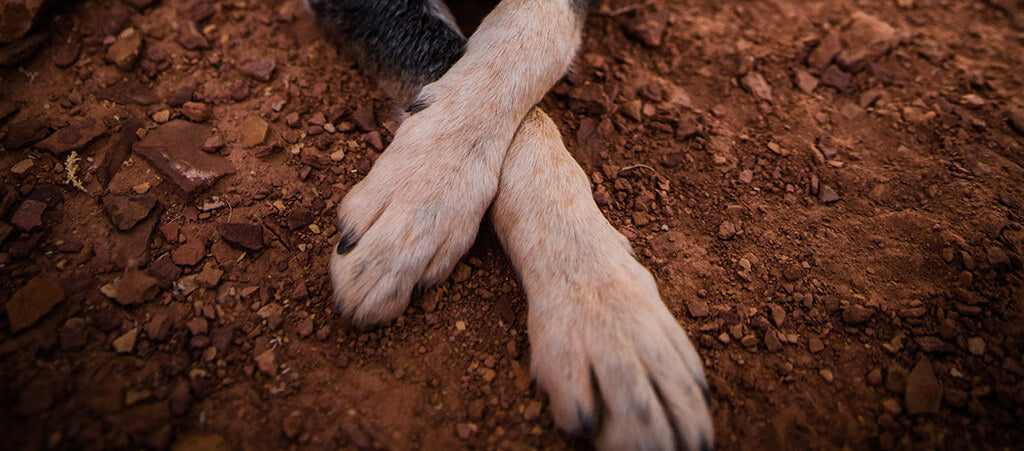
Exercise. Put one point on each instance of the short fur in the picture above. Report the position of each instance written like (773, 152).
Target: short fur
(615, 363)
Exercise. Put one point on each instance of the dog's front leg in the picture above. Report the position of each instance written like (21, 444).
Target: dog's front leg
(611, 357)
(418, 210)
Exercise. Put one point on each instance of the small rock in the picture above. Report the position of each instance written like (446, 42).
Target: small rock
(197, 326)
(375, 140)
(213, 144)
(755, 83)
(805, 81)
(778, 315)
(189, 254)
(827, 49)
(254, 131)
(132, 288)
(827, 375)
(726, 230)
(29, 215)
(997, 257)
(875, 377)
(190, 37)
(158, 326)
(647, 29)
(857, 314)
(126, 343)
(532, 410)
(867, 38)
(261, 70)
(210, 276)
(463, 430)
(976, 346)
(267, 362)
(248, 236)
(21, 167)
(815, 345)
(197, 112)
(827, 195)
(305, 327)
(364, 117)
(1015, 117)
(128, 93)
(32, 301)
(746, 176)
(892, 406)
(698, 309)
(24, 133)
(125, 51)
(836, 78)
(923, 391)
(175, 151)
(73, 137)
(126, 211)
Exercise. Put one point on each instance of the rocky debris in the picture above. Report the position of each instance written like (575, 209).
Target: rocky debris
(72, 334)
(923, 393)
(866, 38)
(175, 151)
(125, 51)
(125, 344)
(822, 55)
(132, 288)
(29, 215)
(266, 361)
(128, 93)
(189, 254)
(32, 301)
(72, 137)
(248, 236)
(756, 84)
(197, 112)
(836, 78)
(190, 38)
(127, 210)
(261, 70)
(253, 130)
(17, 17)
(647, 28)
(25, 133)
(827, 195)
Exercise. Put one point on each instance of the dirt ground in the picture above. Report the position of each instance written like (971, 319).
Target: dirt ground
(828, 193)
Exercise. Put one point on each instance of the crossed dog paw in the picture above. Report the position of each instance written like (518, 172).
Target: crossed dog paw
(415, 214)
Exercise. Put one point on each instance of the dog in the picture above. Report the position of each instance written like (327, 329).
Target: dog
(616, 366)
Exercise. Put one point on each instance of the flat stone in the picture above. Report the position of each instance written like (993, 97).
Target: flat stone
(29, 215)
(164, 269)
(299, 217)
(114, 150)
(17, 17)
(857, 314)
(25, 133)
(254, 131)
(132, 288)
(923, 392)
(72, 137)
(189, 254)
(126, 211)
(261, 70)
(210, 276)
(827, 195)
(128, 93)
(175, 150)
(21, 167)
(197, 111)
(805, 81)
(32, 301)
(126, 343)
(248, 236)
(756, 84)
(125, 51)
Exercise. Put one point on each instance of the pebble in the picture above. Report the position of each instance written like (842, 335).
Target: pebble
(126, 211)
(21, 167)
(254, 131)
(857, 314)
(32, 301)
(923, 391)
(836, 78)
(875, 377)
(245, 235)
(261, 70)
(463, 430)
(175, 150)
(997, 257)
(805, 81)
(867, 38)
(892, 406)
(125, 51)
(1015, 117)
(133, 287)
(532, 410)
(778, 315)
(815, 345)
(827, 375)
(126, 343)
(698, 309)
(29, 215)
(197, 112)
(647, 29)
(364, 117)
(305, 328)
(746, 176)
(827, 195)
(190, 37)
(210, 276)
(976, 346)
(726, 230)
(213, 144)
(266, 361)
(825, 51)
(189, 254)
(756, 84)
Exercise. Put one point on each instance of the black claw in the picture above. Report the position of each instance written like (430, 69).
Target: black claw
(347, 242)
(417, 105)
(706, 393)
(417, 291)
(588, 425)
(704, 445)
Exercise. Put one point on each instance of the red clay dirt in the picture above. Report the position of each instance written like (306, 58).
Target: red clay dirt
(829, 194)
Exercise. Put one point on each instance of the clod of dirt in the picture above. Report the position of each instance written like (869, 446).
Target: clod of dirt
(261, 70)
(132, 288)
(266, 361)
(923, 391)
(125, 51)
(248, 236)
(126, 211)
(254, 131)
(647, 28)
(33, 300)
(29, 215)
(175, 151)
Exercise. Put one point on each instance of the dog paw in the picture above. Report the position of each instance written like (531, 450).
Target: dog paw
(615, 364)
(414, 215)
